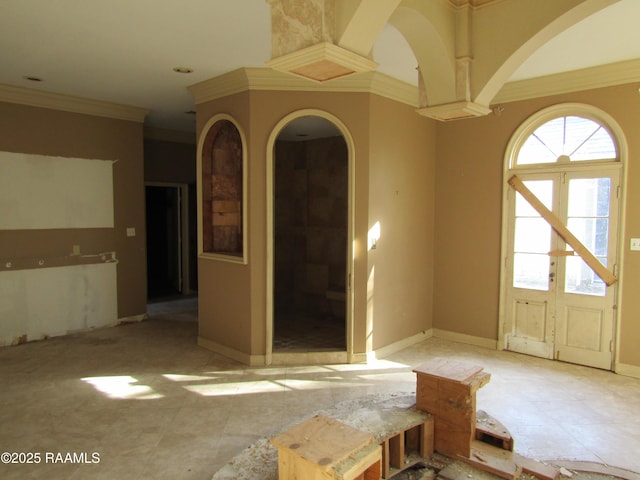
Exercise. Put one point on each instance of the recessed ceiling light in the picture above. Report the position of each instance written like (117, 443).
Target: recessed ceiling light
(183, 70)
(32, 78)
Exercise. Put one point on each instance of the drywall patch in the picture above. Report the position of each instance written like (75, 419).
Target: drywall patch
(38, 303)
(45, 192)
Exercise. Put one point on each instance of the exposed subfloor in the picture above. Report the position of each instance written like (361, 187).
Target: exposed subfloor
(152, 404)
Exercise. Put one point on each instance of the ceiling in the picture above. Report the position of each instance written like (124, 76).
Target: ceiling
(124, 51)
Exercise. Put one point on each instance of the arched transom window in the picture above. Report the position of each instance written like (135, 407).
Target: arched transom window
(565, 140)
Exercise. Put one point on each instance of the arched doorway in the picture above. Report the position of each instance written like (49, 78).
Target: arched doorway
(309, 229)
(559, 292)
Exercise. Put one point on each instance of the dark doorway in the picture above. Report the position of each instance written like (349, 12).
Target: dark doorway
(164, 241)
(311, 192)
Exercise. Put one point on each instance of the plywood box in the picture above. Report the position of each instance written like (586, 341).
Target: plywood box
(447, 390)
(322, 448)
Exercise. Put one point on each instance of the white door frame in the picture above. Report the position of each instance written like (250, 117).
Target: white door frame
(517, 139)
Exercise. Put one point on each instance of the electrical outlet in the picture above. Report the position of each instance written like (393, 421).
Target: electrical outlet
(634, 244)
(131, 231)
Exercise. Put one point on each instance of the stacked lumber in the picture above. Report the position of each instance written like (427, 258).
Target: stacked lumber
(444, 421)
(447, 389)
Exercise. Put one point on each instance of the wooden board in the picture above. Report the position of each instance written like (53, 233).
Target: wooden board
(491, 431)
(365, 464)
(446, 369)
(452, 440)
(396, 451)
(537, 469)
(493, 460)
(603, 272)
(464, 471)
(322, 441)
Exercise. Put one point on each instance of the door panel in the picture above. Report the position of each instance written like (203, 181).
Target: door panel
(557, 306)
(529, 326)
(584, 329)
(530, 320)
(585, 305)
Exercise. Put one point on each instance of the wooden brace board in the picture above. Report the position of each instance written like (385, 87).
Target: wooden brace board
(603, 272)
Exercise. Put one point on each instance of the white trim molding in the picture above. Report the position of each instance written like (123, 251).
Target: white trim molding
(617, 73)
(399, 345)
(68, 103)
(232, 353)
(308, 358)
(464, 338)
(628, 370)
(244, 79)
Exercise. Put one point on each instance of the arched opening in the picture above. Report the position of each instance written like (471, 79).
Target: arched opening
(310, 235)
(561, 231)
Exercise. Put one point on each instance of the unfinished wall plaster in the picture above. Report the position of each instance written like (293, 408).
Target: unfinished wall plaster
(46, 302)
(296, 25)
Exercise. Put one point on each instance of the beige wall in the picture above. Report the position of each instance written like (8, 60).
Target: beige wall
(470, 157)
(401, 198)
(436, 189)
(257, 113)
(50, 132)
(224, 289)
(403, 295)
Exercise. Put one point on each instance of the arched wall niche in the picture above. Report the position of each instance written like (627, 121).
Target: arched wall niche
(222, 195)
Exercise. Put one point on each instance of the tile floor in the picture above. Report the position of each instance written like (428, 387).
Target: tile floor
(295, 332)
(153, 405)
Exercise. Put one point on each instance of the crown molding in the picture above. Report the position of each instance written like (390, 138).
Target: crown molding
(608, 75)
(68, 103)
(265, 79)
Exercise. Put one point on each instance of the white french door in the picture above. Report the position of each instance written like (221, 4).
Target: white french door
(555, 305)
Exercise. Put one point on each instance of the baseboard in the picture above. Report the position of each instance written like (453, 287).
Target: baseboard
(464, 338)
(628, 370)
(358, 358)
(308, 358)
(399, 345)
(233, 354)
(133, 319)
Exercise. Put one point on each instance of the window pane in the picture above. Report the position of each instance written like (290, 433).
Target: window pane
(580, 279)
(532, 235)
(531, 271)
(552, 135)
(578, 138)
(592, 232)
(542, 189)
(599, 147)
(534, 151)
(588, 212)
(589, 197)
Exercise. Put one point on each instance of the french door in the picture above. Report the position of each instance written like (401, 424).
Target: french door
(555, 305)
